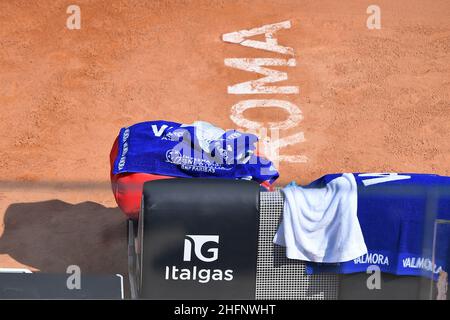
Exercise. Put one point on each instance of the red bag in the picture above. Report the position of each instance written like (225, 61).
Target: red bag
(127, 187)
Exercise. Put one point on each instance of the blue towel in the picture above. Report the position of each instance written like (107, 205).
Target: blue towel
(180, 150)
(397, 214)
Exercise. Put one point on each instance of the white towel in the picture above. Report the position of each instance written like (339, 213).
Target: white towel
(206, 133)
(321, 224)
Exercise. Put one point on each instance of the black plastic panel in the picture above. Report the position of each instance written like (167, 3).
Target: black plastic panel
(177, 211)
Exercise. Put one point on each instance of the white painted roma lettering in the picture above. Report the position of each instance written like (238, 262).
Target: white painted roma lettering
(263, 85)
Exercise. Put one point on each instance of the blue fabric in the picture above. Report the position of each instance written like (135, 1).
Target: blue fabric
(397, 214)
(173, 149)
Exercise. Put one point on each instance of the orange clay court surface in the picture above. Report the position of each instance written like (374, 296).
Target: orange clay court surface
(371, 100)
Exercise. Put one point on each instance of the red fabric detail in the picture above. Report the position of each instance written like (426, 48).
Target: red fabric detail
(127, 187)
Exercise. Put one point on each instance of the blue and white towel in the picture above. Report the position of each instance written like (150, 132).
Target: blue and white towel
(191, 150)
(397, 215)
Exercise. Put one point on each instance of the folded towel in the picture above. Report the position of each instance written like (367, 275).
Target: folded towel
(320, 222)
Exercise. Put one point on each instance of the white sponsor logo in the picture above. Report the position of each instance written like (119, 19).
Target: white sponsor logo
(158, 132)
(197, 164)
(372, 258)
(198, 242)
(194, 243)
(174, 156)
(421, 263)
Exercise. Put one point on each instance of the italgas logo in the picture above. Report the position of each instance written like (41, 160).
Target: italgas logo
(194, 244)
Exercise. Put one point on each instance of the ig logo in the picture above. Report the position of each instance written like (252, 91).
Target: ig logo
(198, 241)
